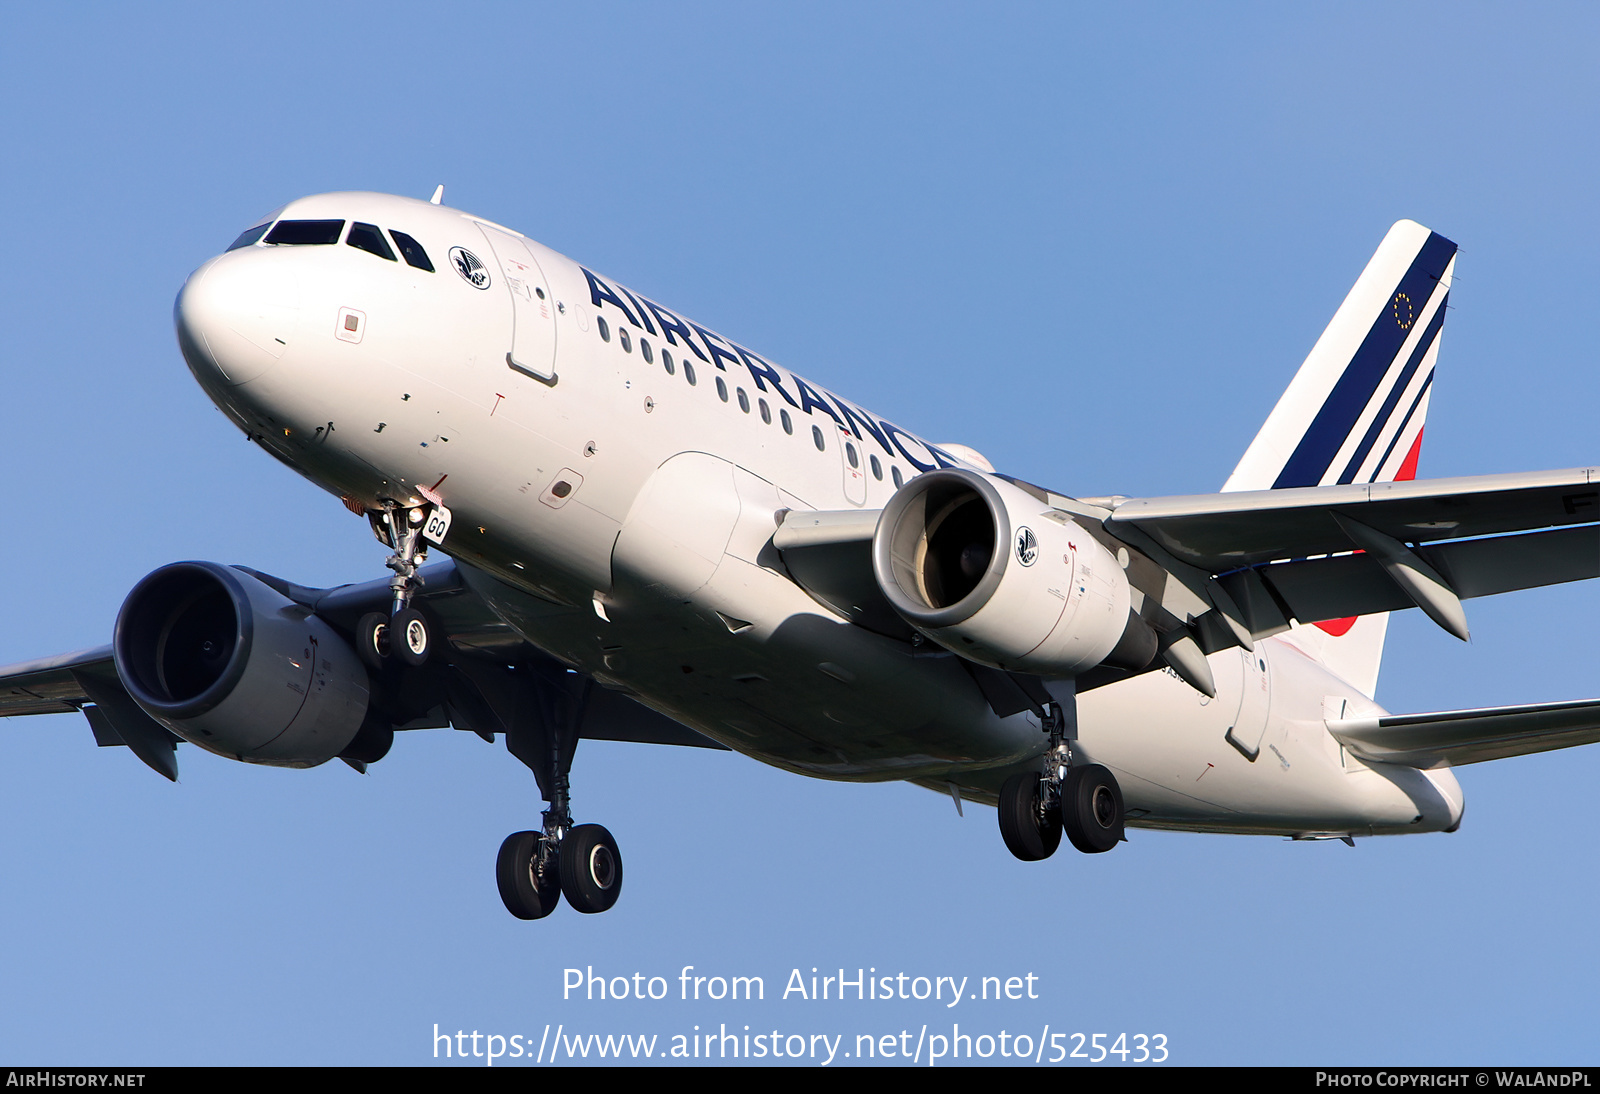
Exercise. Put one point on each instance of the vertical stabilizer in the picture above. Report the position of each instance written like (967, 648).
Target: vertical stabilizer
(1356, 409)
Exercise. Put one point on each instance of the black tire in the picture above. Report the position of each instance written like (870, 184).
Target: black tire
(1029, 835)
(526, 894)
(1091, 809)
(410, 637)
(372, 639)
(591, 869)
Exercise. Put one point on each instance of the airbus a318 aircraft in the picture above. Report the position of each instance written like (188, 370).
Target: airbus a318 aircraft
(656, 534)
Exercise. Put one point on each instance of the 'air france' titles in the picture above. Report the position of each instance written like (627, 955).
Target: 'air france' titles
(713, 349)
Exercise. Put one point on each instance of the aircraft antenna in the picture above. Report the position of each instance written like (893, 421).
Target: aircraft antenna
(438, 194)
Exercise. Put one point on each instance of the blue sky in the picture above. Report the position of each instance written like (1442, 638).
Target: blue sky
(1091, 242)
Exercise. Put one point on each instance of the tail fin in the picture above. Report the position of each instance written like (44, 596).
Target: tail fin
(1356, 409)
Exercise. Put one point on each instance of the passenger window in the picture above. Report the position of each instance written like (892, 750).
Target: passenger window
(850, 454)
(305, 232)
(622, 336)
(788, 424)
(688, 372)
(603, 328)
(644, 348)
(877, 468)
(722, 390)
(894, 473)
(369, 239)
(766, 411)
(816, 439)
(411, 251)
(744, 401)
(666, 360)
(249, 236)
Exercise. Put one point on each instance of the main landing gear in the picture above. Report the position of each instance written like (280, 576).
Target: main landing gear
(580, 862)
(403, 633)
(1083, 800)
(534, 870)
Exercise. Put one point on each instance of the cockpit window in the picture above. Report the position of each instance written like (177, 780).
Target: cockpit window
(305, 232)
(369, 239)
(249, 236)
(412, 250)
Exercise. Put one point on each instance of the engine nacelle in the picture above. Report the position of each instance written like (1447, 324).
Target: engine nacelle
(231, 665)
(989, 572)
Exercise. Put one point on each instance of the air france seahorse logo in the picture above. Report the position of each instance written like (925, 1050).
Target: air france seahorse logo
(470, 268)
(1027, 546)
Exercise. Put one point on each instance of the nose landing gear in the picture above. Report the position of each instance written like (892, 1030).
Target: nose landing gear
(1084, 801)
(404, 633)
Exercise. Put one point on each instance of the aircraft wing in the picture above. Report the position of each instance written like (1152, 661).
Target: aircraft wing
(1229, 568)
(1454, 737)
(47, 686)
(1227, 531)
(461, 687)
(1330, 552)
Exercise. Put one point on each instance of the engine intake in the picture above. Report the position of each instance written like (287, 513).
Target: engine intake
(233, 666)
(987, 571)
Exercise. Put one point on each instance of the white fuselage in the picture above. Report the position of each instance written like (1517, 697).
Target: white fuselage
(619, 516)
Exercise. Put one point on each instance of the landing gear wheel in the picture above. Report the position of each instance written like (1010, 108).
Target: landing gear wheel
(372, 639)
(591, 868)
(1030, 833)
(409, 637)
(1091, 809)
(527, 895)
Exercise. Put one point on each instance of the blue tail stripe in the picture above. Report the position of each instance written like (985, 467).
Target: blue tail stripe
(1338, 415)
(1401, 432)
(1424, 344)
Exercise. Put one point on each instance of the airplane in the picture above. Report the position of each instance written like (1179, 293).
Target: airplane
(655, 534)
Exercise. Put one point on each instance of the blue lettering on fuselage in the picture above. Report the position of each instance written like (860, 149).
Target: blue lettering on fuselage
(760, 368)
(671, 325)
(855, 416)
(640, 308)
(600, 292)
(895, 433)
(810, 397)
(718, 353)
(890, 437)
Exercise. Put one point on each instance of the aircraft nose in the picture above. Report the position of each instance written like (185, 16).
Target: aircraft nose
(237, 316)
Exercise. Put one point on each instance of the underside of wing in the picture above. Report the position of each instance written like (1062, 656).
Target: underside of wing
(829, 555)
(48, 686)
(1455, 737)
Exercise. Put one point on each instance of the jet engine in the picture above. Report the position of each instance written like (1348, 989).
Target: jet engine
(990, 572)
(231, 665)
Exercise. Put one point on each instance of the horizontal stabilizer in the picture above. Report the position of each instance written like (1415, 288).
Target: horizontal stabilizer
(1453, 737)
